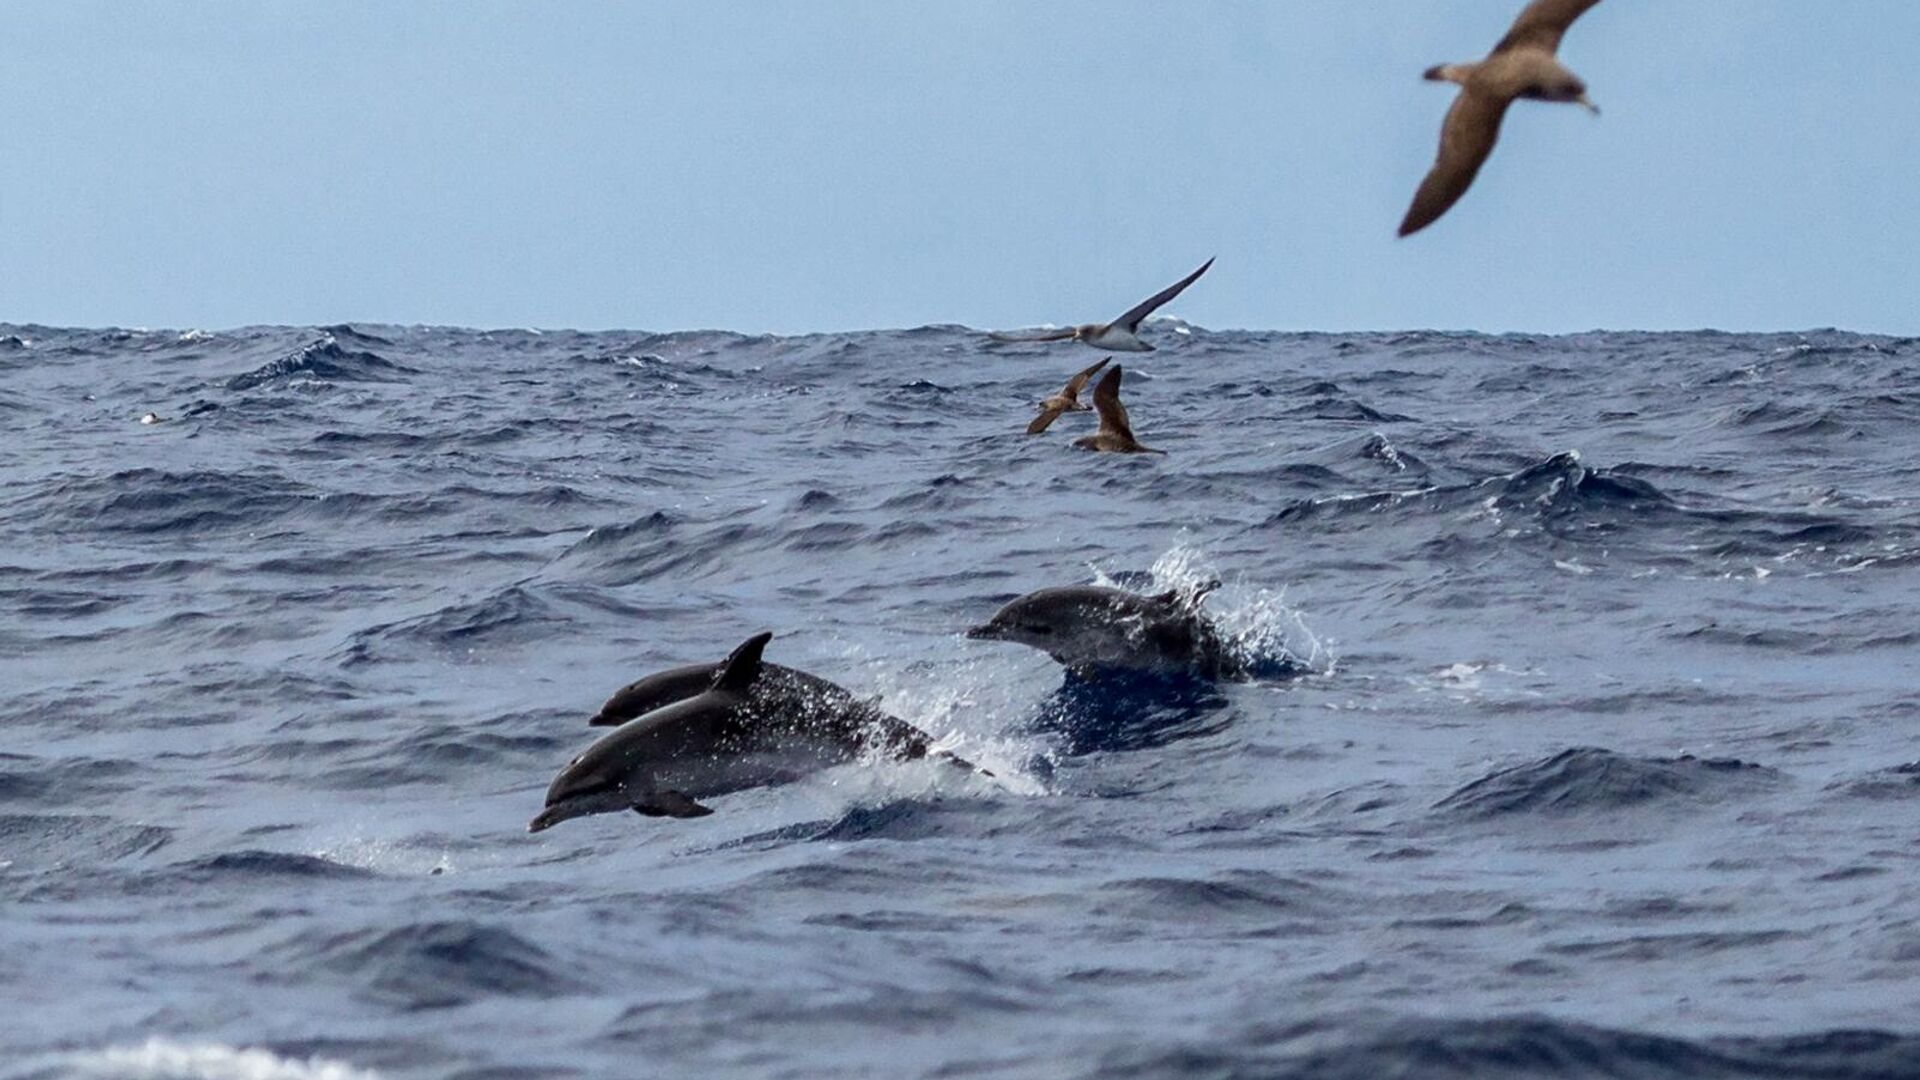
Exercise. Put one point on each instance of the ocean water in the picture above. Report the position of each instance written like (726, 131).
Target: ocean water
(1604, 761)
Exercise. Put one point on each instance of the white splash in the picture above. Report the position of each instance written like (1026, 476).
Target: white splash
(1257, 620)
(160, 1059)
(384, 856)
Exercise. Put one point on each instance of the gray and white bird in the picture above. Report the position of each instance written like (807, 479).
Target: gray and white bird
(1522, 65)
(1123, 333)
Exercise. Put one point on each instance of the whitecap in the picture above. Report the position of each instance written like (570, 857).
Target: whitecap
(161, 1059)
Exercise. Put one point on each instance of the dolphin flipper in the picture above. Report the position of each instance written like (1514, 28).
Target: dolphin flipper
(671, 804)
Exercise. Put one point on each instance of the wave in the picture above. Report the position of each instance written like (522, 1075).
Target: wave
(1517, 1048)
(46, 841)
(233, 868)
(1589, 779)
(165, 1059)
(154, 501)
(324, 361)
(43, 783)
(431, 965)
(1897, 782)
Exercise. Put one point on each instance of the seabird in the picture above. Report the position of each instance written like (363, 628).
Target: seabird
(1123, 333)
(1522, 65)
(1067, 400)
(1116, 434)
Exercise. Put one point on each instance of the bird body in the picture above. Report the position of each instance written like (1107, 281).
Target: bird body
(1116, 429)
(1123, 333)
(1067, 400)
(1522, 65)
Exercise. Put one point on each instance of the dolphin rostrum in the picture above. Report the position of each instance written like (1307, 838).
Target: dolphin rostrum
(1123, 333)
(707, 730)
(1093, 628)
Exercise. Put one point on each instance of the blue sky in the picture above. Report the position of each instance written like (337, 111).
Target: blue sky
(840, 164)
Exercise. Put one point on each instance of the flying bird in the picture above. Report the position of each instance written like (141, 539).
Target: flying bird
(1067, 400)
(1123, 333)
(1522, 65)
(1116, 433)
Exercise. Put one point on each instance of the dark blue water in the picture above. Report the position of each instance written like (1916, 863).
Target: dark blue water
(1604, 765)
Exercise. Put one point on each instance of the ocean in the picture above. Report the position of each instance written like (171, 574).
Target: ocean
(1598, 756)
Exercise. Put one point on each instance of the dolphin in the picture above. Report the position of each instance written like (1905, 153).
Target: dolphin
(778, 688)
(1093, 628)
(714, 729)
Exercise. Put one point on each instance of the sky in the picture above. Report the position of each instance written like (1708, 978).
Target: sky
(853, 164)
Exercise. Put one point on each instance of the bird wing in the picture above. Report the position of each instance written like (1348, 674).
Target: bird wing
(1466, 138)
(1131, 320)
(1045, 335)
(1047, 416)
(1542, 24)
(1106, 401)
(1075, 384)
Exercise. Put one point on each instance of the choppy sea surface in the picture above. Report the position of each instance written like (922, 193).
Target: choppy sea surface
(1606, 762)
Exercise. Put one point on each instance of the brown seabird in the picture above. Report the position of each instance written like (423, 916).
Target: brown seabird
(1067, 400)
(1116, 434)
(1522, 65)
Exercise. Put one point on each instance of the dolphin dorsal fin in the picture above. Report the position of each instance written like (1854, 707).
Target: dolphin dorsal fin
(743, 664)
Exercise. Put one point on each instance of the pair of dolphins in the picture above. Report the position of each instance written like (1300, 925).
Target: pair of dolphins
(705, 730)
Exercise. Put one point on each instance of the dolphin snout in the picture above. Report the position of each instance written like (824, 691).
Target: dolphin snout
(547, 819)
(984, 632)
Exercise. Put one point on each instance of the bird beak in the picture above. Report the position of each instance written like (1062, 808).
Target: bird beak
(1588, 105)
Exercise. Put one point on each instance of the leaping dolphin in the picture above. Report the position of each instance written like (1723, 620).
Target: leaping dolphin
(713, 729)
(1091, 628)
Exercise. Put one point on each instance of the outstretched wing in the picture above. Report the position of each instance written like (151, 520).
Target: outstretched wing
(1106, 401)
(1079, 381)
(1043, 335)
(1131, 320)
(1542, 24)
(1466, 138)
(1047, 416)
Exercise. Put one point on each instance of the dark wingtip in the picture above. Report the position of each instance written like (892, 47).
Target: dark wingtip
(1435, 73)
